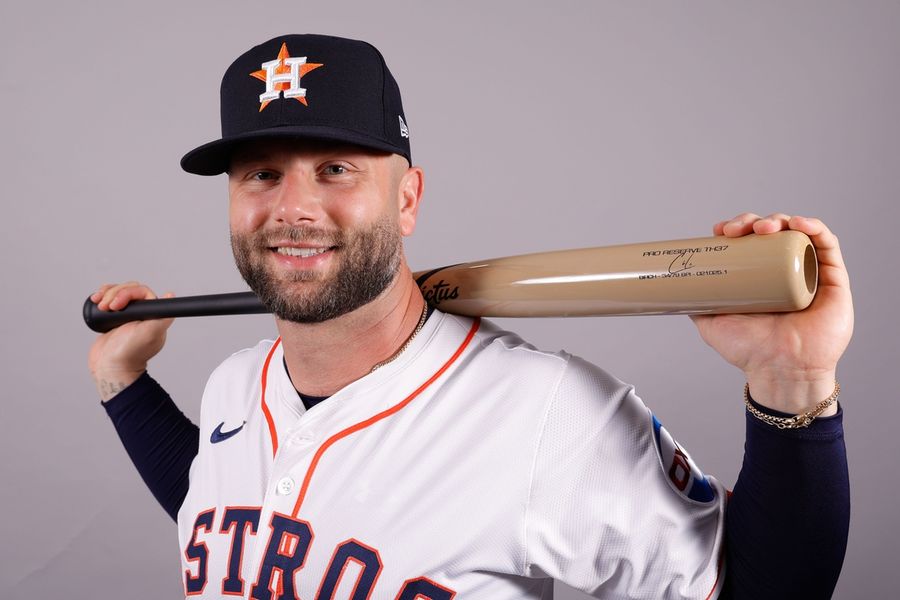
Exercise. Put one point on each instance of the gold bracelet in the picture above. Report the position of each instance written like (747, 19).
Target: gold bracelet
(796, 421)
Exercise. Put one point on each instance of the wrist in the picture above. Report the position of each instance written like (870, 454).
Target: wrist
(793, 393)
(110, 382)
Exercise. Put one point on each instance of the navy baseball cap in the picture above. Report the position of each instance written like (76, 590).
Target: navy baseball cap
(306, 86)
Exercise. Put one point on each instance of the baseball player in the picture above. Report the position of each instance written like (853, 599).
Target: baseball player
(379, 448)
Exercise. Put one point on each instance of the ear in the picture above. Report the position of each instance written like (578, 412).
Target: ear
(409, 194)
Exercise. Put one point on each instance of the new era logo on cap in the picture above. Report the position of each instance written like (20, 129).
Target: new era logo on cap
(404, 130)
(306, 86)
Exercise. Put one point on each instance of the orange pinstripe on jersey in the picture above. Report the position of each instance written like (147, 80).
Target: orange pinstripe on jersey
(374, 419)
(262, 398)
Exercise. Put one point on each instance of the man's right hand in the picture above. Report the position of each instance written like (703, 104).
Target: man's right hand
(117, 358)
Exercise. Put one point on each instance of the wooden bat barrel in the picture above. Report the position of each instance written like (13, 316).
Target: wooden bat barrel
(755, 273)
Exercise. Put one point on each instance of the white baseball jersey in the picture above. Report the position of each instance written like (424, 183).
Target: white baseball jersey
(472, 466)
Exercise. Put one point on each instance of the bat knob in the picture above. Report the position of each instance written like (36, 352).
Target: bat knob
(101, 321)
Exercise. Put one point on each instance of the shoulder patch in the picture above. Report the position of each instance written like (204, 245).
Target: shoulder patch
(679, 468)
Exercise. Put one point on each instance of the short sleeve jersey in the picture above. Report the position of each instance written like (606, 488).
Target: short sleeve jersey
(471, 466)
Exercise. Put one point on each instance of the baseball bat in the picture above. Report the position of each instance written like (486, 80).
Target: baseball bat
(712, 275)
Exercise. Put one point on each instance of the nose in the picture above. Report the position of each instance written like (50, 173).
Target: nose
(298, 200)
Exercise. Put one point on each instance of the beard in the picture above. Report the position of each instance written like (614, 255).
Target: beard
(366, 262)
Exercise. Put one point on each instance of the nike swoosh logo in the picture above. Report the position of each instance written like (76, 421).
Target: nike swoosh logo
(219, 436)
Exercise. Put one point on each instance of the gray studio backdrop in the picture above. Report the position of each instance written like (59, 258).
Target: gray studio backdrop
(538, 128)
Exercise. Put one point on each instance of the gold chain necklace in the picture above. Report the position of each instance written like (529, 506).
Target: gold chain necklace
(408, 341)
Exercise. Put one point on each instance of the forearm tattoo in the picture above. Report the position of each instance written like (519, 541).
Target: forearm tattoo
(108, 389)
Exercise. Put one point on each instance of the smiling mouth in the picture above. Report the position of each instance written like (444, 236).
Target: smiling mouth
(301, 252)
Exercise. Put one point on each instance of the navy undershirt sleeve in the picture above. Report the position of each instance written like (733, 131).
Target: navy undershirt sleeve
(787, 520)
(160, 440)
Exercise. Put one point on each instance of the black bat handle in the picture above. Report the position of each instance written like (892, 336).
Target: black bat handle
(239, 303)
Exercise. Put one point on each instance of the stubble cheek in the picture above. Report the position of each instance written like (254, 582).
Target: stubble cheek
(249, 257)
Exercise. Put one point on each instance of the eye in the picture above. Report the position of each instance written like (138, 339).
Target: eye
(334, 170)
(263, 176)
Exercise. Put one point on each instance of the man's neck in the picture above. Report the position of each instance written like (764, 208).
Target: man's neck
(324, 357)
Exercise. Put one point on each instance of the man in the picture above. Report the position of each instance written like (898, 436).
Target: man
(379, 448)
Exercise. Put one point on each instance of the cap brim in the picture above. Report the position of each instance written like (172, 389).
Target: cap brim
(213, 158)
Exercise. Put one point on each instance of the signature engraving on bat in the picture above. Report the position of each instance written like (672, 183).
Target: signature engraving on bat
(682, 262)
(439, 292)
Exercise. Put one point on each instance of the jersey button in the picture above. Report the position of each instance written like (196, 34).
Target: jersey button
(285, 486)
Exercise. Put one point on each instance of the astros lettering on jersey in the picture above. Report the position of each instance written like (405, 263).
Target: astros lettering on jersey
(472, 466)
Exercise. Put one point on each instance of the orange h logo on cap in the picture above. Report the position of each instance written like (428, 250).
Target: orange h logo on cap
(283, 75)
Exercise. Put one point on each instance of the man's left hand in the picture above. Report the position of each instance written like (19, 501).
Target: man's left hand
(789, 359)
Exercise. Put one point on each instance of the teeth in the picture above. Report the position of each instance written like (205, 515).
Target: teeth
(301, 252)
